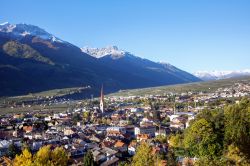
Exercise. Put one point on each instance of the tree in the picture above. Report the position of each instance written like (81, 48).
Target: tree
(13, 150)
(208, 161)
(237, 126)
(200, 139)
(171, 158)
(154, 105)
(143, 156)
(166, 120)
(25, 146)
(175, 140)
(123, 163)
(24, 159)
(86, 115)
(42, 157)
(59, 157)
(156, 115)
(88, 159)
(161, 138)
(220, 136)
(76, 118)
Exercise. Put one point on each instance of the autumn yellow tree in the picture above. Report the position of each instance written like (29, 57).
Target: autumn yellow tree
(175, 141)
(234, 154)
(42, 157)
(24, 159)
(59, 157)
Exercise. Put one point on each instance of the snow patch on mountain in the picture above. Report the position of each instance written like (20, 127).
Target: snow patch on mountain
(21, 30)
(101, 52)
(169, 66)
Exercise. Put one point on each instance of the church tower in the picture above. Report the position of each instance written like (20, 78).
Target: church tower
(102, 100)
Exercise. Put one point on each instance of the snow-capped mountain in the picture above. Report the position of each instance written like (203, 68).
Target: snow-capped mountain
(101, 52)
(33, 60)
(19, 31)
(217, 75)
(109, 52)
(125, 61)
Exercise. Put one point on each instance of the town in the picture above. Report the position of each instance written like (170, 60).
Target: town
(112, 127)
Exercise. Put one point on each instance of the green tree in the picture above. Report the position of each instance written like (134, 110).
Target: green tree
(13, 150)
(156, 115)
(25, 146)
(76, 118)
(162, 139)
(208, 161)
(237, 126)
(176, 140)
(200, 139)
(88, 159)
(220, 136)
(166, 120)
(59, 157)
(171, 158)
(143, 156)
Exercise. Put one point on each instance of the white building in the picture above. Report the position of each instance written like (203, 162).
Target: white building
(145, 130)
(121, 130)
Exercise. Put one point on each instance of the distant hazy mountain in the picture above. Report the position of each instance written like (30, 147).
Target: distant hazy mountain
(33, 60)
(217, 75)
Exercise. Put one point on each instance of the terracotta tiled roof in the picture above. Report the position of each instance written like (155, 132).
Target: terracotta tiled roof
(113, 132)
(27, 128)
(107, 143)
(119, 144)
(143, 136)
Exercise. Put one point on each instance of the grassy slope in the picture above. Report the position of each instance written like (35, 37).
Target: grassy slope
(197, 87)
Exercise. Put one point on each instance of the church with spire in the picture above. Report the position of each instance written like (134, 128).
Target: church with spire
(102, 100)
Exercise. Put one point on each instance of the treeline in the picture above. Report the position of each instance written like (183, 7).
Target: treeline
(45, 156)
(144, 156)
(217, 137)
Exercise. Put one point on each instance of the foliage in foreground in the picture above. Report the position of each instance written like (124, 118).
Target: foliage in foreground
(88, 159)
(144, 156)
(45, 156)
(218, 137)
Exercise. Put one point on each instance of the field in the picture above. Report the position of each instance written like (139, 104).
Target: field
(35, 108)
(208, 86)
(55, 93)
(6, 103)
(62, 106)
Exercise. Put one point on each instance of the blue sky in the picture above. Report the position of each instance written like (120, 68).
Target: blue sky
(190, 34)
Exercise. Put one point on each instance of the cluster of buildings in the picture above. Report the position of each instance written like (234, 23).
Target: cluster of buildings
(111, 142)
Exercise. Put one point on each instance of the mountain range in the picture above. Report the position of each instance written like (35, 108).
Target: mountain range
(33, 60)
(217, 75)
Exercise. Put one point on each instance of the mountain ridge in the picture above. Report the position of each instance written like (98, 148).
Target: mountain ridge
(36, 62)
